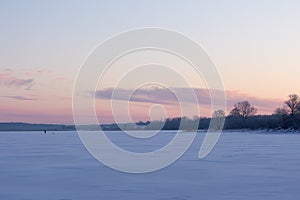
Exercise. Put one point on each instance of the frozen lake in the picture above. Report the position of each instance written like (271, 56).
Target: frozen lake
(35, 166)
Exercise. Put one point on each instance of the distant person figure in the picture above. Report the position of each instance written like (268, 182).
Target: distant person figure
(45, 131)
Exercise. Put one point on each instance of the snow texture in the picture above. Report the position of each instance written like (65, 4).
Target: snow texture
(243, 165)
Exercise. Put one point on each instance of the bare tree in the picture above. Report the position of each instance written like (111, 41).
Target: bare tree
(217, 120)
(293, 103)
(218, 113)
(282, 111)
(290, 113)
(243, 109)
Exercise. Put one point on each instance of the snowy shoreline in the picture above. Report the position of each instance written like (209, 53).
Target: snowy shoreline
(232, 131)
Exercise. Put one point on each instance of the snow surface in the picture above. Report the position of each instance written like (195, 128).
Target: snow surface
(243, 165)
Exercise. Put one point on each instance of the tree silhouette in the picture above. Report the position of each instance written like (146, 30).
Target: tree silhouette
(289, 115)
(293, 103)
(243, 109)
(218, 113)
(217, 120)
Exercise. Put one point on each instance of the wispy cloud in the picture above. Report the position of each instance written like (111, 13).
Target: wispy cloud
(140, 95)
(17, 82)
(8, 79)
(157, 95)
(21, 98)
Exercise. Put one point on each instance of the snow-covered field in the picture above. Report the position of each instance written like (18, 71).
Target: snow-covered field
(243, 165)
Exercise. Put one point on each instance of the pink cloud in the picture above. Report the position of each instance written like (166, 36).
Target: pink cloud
(17, 82)
(163, 96)
(8, 79)
(22, 98)
(38, 72)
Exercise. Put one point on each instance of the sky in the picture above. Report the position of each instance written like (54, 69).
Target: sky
(255, 46)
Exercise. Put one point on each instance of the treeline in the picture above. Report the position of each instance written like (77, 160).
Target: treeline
(242, 116)
(286, 117)
(231, 122)
(14, 126)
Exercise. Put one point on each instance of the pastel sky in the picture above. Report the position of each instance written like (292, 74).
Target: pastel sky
(254, 44)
